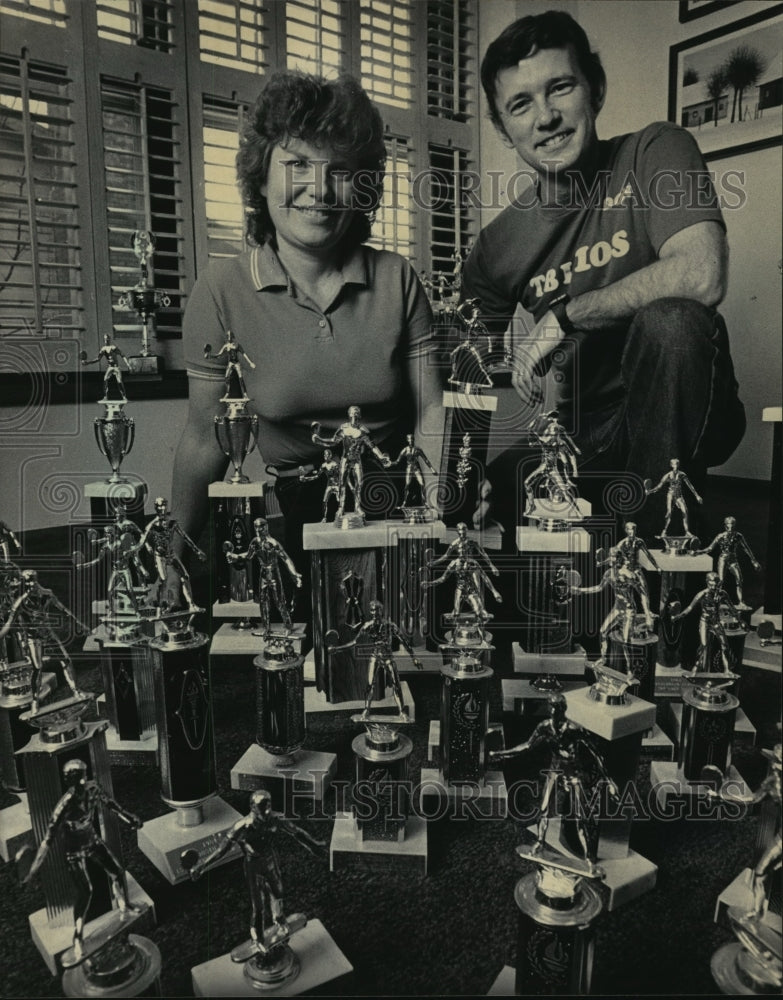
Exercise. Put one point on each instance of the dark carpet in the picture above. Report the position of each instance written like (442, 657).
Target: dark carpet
(451, 932)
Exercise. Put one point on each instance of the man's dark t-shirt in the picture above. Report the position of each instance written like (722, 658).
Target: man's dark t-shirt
(649, 185)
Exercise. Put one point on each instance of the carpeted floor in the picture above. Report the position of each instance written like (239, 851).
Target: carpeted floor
(451, 932)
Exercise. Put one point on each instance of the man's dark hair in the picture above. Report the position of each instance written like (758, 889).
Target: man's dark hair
(336, 114)
(524, 38)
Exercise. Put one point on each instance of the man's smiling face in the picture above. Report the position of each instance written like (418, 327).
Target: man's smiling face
(547, 110)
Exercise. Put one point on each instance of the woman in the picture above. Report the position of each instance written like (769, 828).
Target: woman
(328, 322)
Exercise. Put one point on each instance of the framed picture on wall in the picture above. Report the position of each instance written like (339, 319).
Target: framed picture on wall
(726, 86)
(689, 9)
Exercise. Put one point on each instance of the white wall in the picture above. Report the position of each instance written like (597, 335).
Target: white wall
(633, 38)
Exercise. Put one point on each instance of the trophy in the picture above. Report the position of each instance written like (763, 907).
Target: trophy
(101, 960)
(64, 733)
(729, 544)
(753, 964)
(354, 438)
(236, 430)
(551, 496)
(559, 905)
(675, 483)
(414, 506)
(187, 748)
(460, 735)
(721, 632)
(126, 664)
(145, 299)
(114, 431)
(295, 779)
(269, 958)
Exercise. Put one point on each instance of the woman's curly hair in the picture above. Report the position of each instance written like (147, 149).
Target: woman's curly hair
(336, 114)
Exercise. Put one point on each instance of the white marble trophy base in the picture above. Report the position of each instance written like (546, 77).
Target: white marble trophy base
(306, 778)
(349, 851)
(128, 751)
(16, 828)
(505, 984)
(163, 840)
(539, 664)
(51, 942)
(627, 878)
(740, 894)
(315, 703)
(229, 490)
(669, 785)
(763, 657)
(433, 739)
(656, 745)
(231, 641)
(486, 799)
(320, 959)
(611, 722)
(532, 540)
(744, 730)
(681, 563)
(374, 534)
(130, 489)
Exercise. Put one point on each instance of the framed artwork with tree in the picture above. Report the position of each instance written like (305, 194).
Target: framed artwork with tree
(726, 85)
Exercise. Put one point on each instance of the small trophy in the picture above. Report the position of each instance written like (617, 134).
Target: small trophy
(109, 957)
(675, 482)
(414, 507)
(145, 299)
(114, 431)
(550, 491)
(236, 430)
(729, 543)
(267, 958)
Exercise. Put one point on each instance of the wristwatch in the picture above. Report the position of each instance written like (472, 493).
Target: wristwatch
(558, 310)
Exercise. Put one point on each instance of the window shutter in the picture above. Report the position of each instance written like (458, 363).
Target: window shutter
(222, 121)
(386, 52)
(451, 218)
(315, 37)
(40, 237)
(234, 33)
(141, 157)
(147, 23)
(449, 62)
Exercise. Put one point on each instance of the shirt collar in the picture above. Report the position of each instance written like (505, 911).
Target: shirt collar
(267, 270)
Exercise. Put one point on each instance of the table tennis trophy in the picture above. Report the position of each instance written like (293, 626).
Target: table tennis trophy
(235, 505)
(296, 779)
(186, 747)
(64, 733)
(281, 947)
(379, 828)
(104, 956)
(145, 300)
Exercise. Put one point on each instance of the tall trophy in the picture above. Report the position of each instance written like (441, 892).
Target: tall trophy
(16, 695)
(126, 663)
(459, 740)
(379, 829)
(64, 733)
(115, 433)
(187, 748)
(281, 947)
(145, 300)
(105, 957)
(296, 779)
(235, 506)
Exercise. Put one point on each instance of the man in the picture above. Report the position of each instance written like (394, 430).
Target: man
(619, 252)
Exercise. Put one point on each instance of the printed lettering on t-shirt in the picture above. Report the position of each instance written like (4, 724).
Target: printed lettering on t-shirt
(585, 258)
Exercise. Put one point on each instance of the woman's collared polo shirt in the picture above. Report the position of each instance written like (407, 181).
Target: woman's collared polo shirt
(311, 364)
